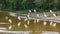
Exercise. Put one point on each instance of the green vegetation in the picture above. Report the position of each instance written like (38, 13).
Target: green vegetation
(30, 4)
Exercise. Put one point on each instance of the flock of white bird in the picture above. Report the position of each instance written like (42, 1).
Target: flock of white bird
(28, 17)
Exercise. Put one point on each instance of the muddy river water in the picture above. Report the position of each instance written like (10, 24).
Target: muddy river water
(21, 25)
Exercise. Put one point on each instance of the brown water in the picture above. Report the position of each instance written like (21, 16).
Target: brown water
(31, 27)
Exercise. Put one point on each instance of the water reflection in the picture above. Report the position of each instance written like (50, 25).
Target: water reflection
(29, 23)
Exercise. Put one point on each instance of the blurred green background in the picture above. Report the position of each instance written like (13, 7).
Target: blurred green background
(17, 5)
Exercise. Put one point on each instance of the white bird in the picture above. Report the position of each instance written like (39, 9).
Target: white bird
(28, 22)
(29, 11)
(19, 18)
(54, 25)
(44, 23)
(34, 10)
(19, 24)
(28, 15)
(54, 15)
(25, 26)
(10, 27)
(38, 20)
(51, 23)
(10, 21)
(51, 11)
(37, 15)
(45, 15)
(25, 19)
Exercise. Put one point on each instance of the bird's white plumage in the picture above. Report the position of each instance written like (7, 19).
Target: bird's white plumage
(54, 24)
(38, 20)
(25, 26)
(37, 15)
(45, 15)
(34, 10)
(51, 11)
(10, 21)
(44, 23)
(28, 22)
(29, 11)
(51, 23)
(19, 24)
(10, 27)
(34, 20)
(25, 19)
(19, 18)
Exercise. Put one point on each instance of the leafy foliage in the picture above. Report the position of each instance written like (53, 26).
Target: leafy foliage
(31, 4)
